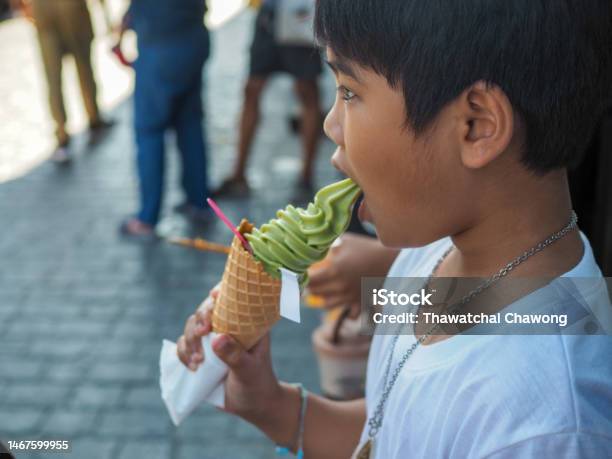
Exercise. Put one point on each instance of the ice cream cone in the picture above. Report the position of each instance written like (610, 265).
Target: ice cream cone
(248, 303)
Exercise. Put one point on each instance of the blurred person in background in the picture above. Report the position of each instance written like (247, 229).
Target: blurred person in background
(64, 28)
(173, 45)
(5, 9)
(354, 256)
(267, 56)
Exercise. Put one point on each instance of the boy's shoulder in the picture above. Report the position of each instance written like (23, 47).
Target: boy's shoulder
(539, 389)
(505, 397)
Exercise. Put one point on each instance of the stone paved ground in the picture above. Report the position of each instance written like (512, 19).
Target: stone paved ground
(83, 313)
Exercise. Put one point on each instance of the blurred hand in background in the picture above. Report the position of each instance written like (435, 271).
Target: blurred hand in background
(338, 278)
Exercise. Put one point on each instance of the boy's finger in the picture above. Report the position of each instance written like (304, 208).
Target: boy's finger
(203, 321)
(194, 345)
(193, 336)
(232, 353)
(197, 357)
(191, 359)
(207, 305)
(181, 351)
(262, 348)
(189, 326)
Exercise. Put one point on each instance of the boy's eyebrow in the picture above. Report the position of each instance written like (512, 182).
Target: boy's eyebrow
(340, 65)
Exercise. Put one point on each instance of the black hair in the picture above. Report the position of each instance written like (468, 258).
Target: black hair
(552, 58)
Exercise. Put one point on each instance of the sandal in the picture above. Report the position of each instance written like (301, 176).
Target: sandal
(232, 188)
(135, 229)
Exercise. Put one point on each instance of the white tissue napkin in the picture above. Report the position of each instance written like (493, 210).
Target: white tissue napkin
(183, 390)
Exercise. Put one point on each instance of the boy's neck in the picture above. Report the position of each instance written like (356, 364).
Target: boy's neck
(518, 217)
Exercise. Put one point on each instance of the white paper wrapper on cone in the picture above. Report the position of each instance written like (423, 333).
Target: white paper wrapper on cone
(184, 390)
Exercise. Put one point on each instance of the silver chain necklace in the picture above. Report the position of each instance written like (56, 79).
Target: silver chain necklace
(376, 420)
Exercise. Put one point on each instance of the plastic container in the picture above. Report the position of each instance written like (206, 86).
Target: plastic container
(342, 353)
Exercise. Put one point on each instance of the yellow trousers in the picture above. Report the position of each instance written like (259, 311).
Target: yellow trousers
(64, 28)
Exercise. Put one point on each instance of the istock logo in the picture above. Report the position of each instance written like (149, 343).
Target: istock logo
(383, 297)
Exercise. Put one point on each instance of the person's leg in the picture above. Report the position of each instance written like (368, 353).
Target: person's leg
(51, 53)
(308, 94)
(87, 82)
(263, 61)
(190, 138)
(77, 33)
(150, 163)
(304, 64)
(249, 119)
(152, 101)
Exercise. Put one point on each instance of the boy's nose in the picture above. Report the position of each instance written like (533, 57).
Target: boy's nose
(332, 126)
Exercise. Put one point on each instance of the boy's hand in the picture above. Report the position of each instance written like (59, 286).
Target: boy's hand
(251, 388)
(189, 345)
(354, 257)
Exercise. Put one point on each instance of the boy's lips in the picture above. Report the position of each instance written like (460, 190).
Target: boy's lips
(363, 213)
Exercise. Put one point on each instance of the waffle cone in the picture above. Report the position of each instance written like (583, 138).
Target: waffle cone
(248, 303)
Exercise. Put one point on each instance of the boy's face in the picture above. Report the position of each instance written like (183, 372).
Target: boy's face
(414, 186)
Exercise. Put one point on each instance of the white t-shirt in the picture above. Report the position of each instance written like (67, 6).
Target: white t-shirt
(494, 396)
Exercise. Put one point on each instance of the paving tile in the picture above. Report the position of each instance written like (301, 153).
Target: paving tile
(19, 422)
(151, 449)
(36, 393)
(144, 397)
(60, 349)
(69, 423)
(121, 372)
(93, 448)
(141, 423)
(15, 368)
(67, 372)
(204, 425)
(95, 396)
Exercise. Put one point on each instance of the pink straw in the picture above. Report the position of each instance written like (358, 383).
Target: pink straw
(229, 224)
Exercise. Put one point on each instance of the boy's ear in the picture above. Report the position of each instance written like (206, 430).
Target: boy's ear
(487, 120)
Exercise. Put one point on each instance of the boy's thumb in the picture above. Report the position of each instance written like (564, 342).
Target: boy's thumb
(231, 352)
(261, 350)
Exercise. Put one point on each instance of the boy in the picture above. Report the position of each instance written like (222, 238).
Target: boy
(458, 120)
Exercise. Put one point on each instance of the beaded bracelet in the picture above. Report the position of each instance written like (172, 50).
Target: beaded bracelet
(283, 450)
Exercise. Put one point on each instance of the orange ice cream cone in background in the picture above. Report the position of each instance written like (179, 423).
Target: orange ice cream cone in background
(316, 301)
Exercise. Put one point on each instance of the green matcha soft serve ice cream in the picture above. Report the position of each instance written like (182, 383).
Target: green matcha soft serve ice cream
(298, 237)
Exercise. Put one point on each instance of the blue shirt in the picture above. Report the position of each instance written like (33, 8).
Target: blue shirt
(156, 20)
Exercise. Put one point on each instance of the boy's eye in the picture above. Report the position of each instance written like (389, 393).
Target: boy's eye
(346, 93)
